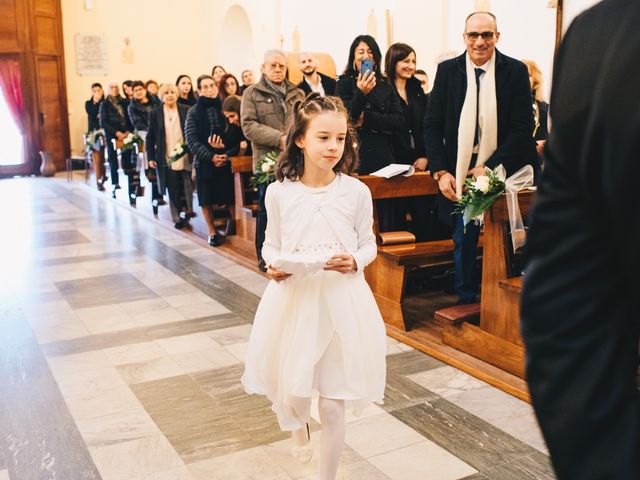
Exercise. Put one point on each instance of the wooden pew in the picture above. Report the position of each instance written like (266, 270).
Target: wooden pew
(497, 339)
(387, 275)
(245, 198)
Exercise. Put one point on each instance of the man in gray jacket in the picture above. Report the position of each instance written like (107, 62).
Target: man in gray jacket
(266, 110)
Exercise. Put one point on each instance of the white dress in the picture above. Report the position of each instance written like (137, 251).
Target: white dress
(320, 334)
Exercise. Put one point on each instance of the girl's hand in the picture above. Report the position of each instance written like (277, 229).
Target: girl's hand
(342, 262)
(277, 275)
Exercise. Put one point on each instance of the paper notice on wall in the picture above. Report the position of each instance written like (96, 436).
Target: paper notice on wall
(91, 54)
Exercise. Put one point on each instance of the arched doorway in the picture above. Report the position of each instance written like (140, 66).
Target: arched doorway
(236, 40)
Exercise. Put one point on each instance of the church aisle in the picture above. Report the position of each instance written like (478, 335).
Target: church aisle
(121, 349)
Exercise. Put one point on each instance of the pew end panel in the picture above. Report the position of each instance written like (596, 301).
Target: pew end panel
(245, 197)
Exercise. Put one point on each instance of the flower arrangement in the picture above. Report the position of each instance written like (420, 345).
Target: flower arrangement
(265, 169)
(94, 140)
(177, 152)
(130, 141)
(480, 193)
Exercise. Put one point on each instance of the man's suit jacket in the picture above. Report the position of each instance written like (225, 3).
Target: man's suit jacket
(156, 140)
(579, 321)
(328, 83)
(516, 147)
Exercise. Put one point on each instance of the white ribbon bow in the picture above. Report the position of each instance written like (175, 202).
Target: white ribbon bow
(520, 180)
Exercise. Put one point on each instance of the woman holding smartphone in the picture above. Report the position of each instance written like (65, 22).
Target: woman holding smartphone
(373, 104)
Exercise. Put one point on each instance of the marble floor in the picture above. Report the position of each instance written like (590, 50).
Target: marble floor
(121, 349)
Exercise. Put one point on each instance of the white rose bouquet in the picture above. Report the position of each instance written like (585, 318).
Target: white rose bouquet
(480, 193)
(177, 152)
(265, 169)
(130, 141)
(94, 140)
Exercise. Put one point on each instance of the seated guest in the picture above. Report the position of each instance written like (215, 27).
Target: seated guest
(205, 132)
(92, 107)
(236, 144)
(540, 107)
(372, 103)
(422, 76)
(152, 87)
(217, 72)
(313, 80)
(116, 125)
(166, 130)
(228, 86)
(247, 80)
(139, 108)
(185, 91)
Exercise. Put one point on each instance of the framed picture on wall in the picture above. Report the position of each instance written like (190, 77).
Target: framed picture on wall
(91, 54)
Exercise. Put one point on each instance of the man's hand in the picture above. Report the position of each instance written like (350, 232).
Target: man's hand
(153, 164)
(447, 185)
(219, 160)
(540, 146)
(342, 262)
(421, 164)
(216, 142)
(277, 275)
(367, 82)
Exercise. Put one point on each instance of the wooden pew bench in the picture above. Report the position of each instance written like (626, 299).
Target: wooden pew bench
(246, 205)
(387, 275)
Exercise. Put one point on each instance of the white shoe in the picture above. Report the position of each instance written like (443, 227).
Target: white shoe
(304, 453)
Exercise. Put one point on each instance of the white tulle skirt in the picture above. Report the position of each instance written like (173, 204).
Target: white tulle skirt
(318, 335)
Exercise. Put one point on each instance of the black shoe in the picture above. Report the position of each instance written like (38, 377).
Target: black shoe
(179, 225)
(161, 201)
(113, 194)
(262, 266)
(100, 187)
(216, 240)
(116, 187)
(230, 228)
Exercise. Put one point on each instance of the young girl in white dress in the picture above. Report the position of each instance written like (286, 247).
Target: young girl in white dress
(318, 332)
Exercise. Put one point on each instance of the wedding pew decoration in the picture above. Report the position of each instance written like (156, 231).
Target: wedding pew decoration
(131, 141)
(94, 140)
(265, 169)
(482, 192)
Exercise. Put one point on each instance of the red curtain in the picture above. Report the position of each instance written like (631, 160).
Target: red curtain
(10, 83)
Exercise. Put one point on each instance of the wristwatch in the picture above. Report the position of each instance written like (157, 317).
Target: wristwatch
(436, 176)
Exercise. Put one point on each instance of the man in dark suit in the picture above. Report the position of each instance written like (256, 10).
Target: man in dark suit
(579, 320)
(479, 115)
(313, 80)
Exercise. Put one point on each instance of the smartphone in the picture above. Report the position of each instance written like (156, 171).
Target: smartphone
(366, 66)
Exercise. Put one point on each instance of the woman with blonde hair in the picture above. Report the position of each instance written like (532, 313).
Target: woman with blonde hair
(540, 107)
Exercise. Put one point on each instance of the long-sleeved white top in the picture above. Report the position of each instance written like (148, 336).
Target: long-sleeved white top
(347, 207)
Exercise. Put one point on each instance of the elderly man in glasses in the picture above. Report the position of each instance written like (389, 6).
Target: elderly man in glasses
(479, 115)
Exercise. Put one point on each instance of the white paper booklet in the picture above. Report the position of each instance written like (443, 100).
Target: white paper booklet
(300, 265)
(394, 169)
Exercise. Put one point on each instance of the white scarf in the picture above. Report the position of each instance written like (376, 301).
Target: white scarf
(487, 121)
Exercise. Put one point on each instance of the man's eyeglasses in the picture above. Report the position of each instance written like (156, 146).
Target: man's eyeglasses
(473, 36)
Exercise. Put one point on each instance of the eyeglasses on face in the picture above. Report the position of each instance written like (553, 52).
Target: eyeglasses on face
(473, 36)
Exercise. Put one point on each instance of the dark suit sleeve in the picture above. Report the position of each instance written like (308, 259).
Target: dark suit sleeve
(518, 147)
(152, 138)
(109, 129)
(434, 124)
(352, 97)
(391, 121)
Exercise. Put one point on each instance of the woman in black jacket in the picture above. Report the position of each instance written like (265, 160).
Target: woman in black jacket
(115, 123)
(373, 105)
(166, 131)
(92, 107)
(185, 90)
(205, 132)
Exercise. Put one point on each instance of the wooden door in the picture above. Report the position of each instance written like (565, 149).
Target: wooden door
(52, 136)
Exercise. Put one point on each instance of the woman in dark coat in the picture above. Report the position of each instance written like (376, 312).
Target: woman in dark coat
(92, 107)
(185, 90)
(166, 130)
(540, 110)
(400, 67)
(205, 132)
(373, 105)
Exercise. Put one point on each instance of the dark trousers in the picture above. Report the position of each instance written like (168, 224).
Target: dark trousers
(180, 192)
(261, 220)
(113, 162)
(465, 280)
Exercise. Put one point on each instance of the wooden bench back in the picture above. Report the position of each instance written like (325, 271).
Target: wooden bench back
(242, 164)
(242, 168)
(417, 185)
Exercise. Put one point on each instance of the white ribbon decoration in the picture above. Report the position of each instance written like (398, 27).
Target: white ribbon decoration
(520, 180)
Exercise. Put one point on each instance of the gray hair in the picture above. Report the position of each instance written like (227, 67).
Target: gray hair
(273, 51)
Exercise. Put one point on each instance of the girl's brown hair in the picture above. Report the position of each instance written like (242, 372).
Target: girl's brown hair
(290, 164)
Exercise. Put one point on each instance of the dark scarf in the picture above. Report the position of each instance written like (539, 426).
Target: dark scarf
(116, 102)
(209, 113)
